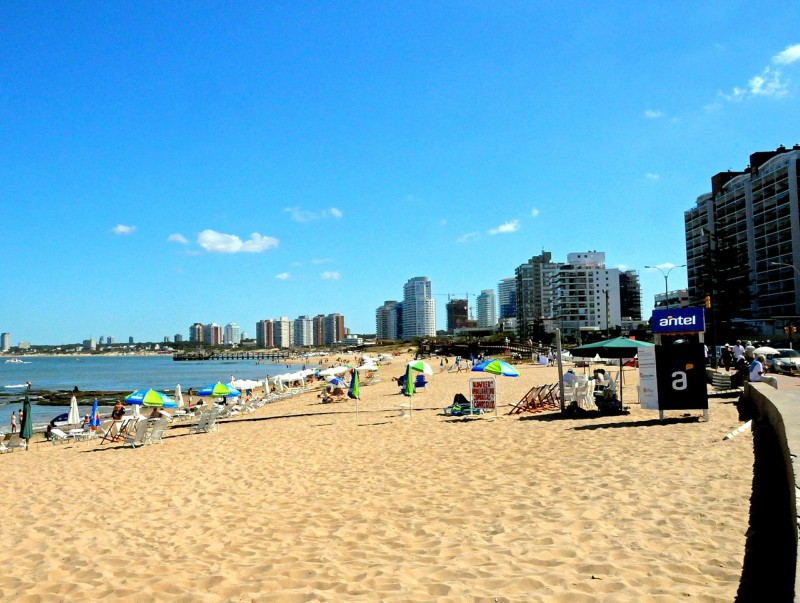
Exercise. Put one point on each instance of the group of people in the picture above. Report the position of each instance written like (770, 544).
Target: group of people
(746, 364)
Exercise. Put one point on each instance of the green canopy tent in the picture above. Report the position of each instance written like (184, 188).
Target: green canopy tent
(618, 347)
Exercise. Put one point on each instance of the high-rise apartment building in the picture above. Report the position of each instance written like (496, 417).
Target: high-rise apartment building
(586, 293)
(486, 309)
(457, 314)
(334, 328)
(419, 308)
(318, 328)
(386, 321)
(264, 337)
(232, 334)
(212, 334)
(196, 333)
(282, 331)
(5, 342)
(534, 281)
(743, 242)
(630, 295)
(507, 297)
(303, 331)
(178, 338)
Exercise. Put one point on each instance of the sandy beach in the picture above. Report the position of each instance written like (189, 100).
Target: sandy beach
(302, 501)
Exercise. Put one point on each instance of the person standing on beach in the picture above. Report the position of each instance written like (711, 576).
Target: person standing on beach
(13, 421)
(21, 416)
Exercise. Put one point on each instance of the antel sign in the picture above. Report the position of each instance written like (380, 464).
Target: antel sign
(679, 320)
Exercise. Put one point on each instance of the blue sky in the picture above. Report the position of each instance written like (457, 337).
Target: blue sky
(210, 161)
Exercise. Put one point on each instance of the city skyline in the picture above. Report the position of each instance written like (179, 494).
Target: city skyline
(165, 163)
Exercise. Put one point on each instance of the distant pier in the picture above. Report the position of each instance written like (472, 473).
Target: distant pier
(183, 356)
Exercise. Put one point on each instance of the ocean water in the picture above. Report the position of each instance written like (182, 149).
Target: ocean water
(115, 373)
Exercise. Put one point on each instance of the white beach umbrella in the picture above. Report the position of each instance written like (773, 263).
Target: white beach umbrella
(765, 349)
(179, 395)
(74, 416)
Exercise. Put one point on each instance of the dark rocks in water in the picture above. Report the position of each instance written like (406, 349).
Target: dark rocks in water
(63, 397)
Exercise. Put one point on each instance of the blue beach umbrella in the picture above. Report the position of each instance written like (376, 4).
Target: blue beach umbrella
(150, 397)
(219, 390)
(496, 367)
(337, 382)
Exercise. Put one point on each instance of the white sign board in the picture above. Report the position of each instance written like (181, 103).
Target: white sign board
(648, 380)
(483, 393)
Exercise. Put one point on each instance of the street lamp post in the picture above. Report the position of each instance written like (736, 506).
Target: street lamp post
(666, 280)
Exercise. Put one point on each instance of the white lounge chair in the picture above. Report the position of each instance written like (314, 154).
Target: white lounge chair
(138, 434)
(158, 430)
(58, 436)
(202, 423)
(3, 447)
(15, 442)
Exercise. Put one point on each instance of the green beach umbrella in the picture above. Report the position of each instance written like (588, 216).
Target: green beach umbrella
(617, 347)
(421, 367)
(354, 391)
(26, 429)
(409, 386)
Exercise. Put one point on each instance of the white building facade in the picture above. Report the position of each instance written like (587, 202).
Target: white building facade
(419, 308)
(486, 309)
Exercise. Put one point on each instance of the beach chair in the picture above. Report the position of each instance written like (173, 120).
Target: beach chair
(202, 423)
(158, 431)
(58, 436)
(136, 436)
(3, 447)
(15, 442)
(420, 382)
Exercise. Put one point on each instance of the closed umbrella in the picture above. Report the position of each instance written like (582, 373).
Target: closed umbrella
(74, 416)
(94, 420)
(409, 384)
(26, 428)
(354, 391)
(179, 395)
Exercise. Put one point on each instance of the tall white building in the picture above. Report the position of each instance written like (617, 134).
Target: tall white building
(419, 308)
(5, 342)
(232, 334)
(486, 309)
(303, 331)
(587, 293)
(282, 329)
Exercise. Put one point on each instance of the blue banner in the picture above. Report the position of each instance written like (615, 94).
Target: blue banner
(679, 320)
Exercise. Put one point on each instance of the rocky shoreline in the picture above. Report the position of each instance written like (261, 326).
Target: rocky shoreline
(63, 397)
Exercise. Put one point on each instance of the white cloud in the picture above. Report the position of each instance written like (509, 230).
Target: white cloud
(217, 242)
(283, 276)
(122, 231)
(335, 276)
(787, 56)
(470, 236)
(303, 216)
(177, 238)
(512, 226)
(443, 222)
(652, 176)
(771, 82)
(320, 261)
(622, 267)
(534, 213)
(665, 266)
(653, 114)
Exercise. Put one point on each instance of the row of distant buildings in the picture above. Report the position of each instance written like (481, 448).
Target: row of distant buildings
(580, 294)
(281, 332)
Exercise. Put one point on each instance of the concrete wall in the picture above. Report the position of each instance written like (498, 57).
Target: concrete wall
(770, 561)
